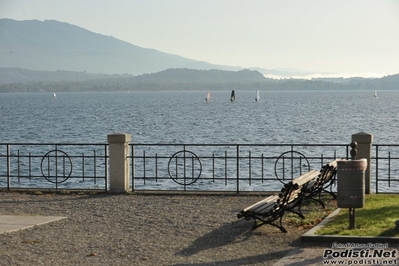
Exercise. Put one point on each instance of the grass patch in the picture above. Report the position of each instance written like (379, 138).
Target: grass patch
(313, 213)
(377, 218)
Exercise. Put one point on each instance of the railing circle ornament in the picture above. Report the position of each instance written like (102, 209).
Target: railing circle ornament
(187, 164)
(292, 162)
(56, 166)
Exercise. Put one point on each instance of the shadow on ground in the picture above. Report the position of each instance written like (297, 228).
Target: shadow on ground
(238, 233)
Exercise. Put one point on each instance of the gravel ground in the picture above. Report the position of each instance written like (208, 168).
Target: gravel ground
(134, 229)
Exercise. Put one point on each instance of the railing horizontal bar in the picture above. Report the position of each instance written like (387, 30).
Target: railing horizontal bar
(242, 145)
(54, 144)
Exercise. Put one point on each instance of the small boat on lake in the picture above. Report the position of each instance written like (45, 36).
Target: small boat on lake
(257, 97)
(233, 96)
(208, 97)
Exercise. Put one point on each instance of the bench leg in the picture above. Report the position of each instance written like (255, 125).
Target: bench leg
(298, 207)
(318, 200)
(299, 213)
(331, 193)
(259, 222)
(281, 227)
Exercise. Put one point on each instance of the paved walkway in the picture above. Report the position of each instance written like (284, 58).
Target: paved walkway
(9, 223)
(302, 257)
(297, 257)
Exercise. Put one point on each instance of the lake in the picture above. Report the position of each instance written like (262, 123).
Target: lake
(185, 117)
(280, 117)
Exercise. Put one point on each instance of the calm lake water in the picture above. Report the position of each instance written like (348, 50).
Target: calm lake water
(285, 117)
(185, 117)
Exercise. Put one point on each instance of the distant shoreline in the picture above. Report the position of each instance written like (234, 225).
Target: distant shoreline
(22, 80)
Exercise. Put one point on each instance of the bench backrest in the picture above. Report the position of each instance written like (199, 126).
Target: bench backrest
(305, 178)
(294, 190)
(327, 175)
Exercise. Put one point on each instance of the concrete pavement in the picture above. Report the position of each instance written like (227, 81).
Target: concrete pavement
(10, 223)
(297, 256)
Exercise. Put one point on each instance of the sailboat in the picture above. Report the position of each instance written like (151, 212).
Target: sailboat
(257, 98)
(375, 94)
(233, 96)
(208, 97)
(54, 95)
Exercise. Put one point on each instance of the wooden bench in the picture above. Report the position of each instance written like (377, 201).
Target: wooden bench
(322, 184)
(301, 184)
(271, 209)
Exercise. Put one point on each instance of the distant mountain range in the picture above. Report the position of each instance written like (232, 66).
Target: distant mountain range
(56, 56)
(52, 45)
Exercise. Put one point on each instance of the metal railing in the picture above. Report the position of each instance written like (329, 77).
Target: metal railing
(226, 167)
(59, 166)
(385, 162)
(183, 167)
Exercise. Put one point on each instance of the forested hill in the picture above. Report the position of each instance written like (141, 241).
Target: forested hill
(176, 75)
(201, 76)
(22, 80)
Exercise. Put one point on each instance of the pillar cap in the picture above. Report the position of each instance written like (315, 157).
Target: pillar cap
(119, 138)
(362, 137)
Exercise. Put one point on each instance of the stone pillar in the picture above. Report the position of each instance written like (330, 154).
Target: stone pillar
(119, 162)
(364, 143)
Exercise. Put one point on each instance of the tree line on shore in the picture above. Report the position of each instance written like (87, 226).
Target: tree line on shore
(20, 80)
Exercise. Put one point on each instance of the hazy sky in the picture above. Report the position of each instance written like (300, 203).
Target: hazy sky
(355, 37)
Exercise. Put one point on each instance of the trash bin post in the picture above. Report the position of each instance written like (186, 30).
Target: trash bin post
(351, 184)
(352, 214)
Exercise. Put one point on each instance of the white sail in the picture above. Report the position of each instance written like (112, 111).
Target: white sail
(375, 94)
(257, 98)
(208, 97)
(54, 95)
(233, 96)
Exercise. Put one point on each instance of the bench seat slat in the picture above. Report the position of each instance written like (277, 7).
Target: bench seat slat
(271, 199)
(305, 178)
(264, 210)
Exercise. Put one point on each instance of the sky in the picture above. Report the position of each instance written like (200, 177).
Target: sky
(332, 37)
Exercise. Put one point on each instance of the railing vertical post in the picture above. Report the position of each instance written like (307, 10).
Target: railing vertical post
(238, 169)
(376, 168)
(133, 168)
(364, 143)
(8, 167)
(106, 167)
(119, 162)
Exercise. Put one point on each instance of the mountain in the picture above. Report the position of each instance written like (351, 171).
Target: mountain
(52, 45)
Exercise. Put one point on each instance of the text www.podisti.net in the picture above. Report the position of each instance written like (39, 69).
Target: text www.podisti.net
(360, 254)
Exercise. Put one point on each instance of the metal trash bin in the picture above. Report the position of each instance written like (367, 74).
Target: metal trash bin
(351, 183)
